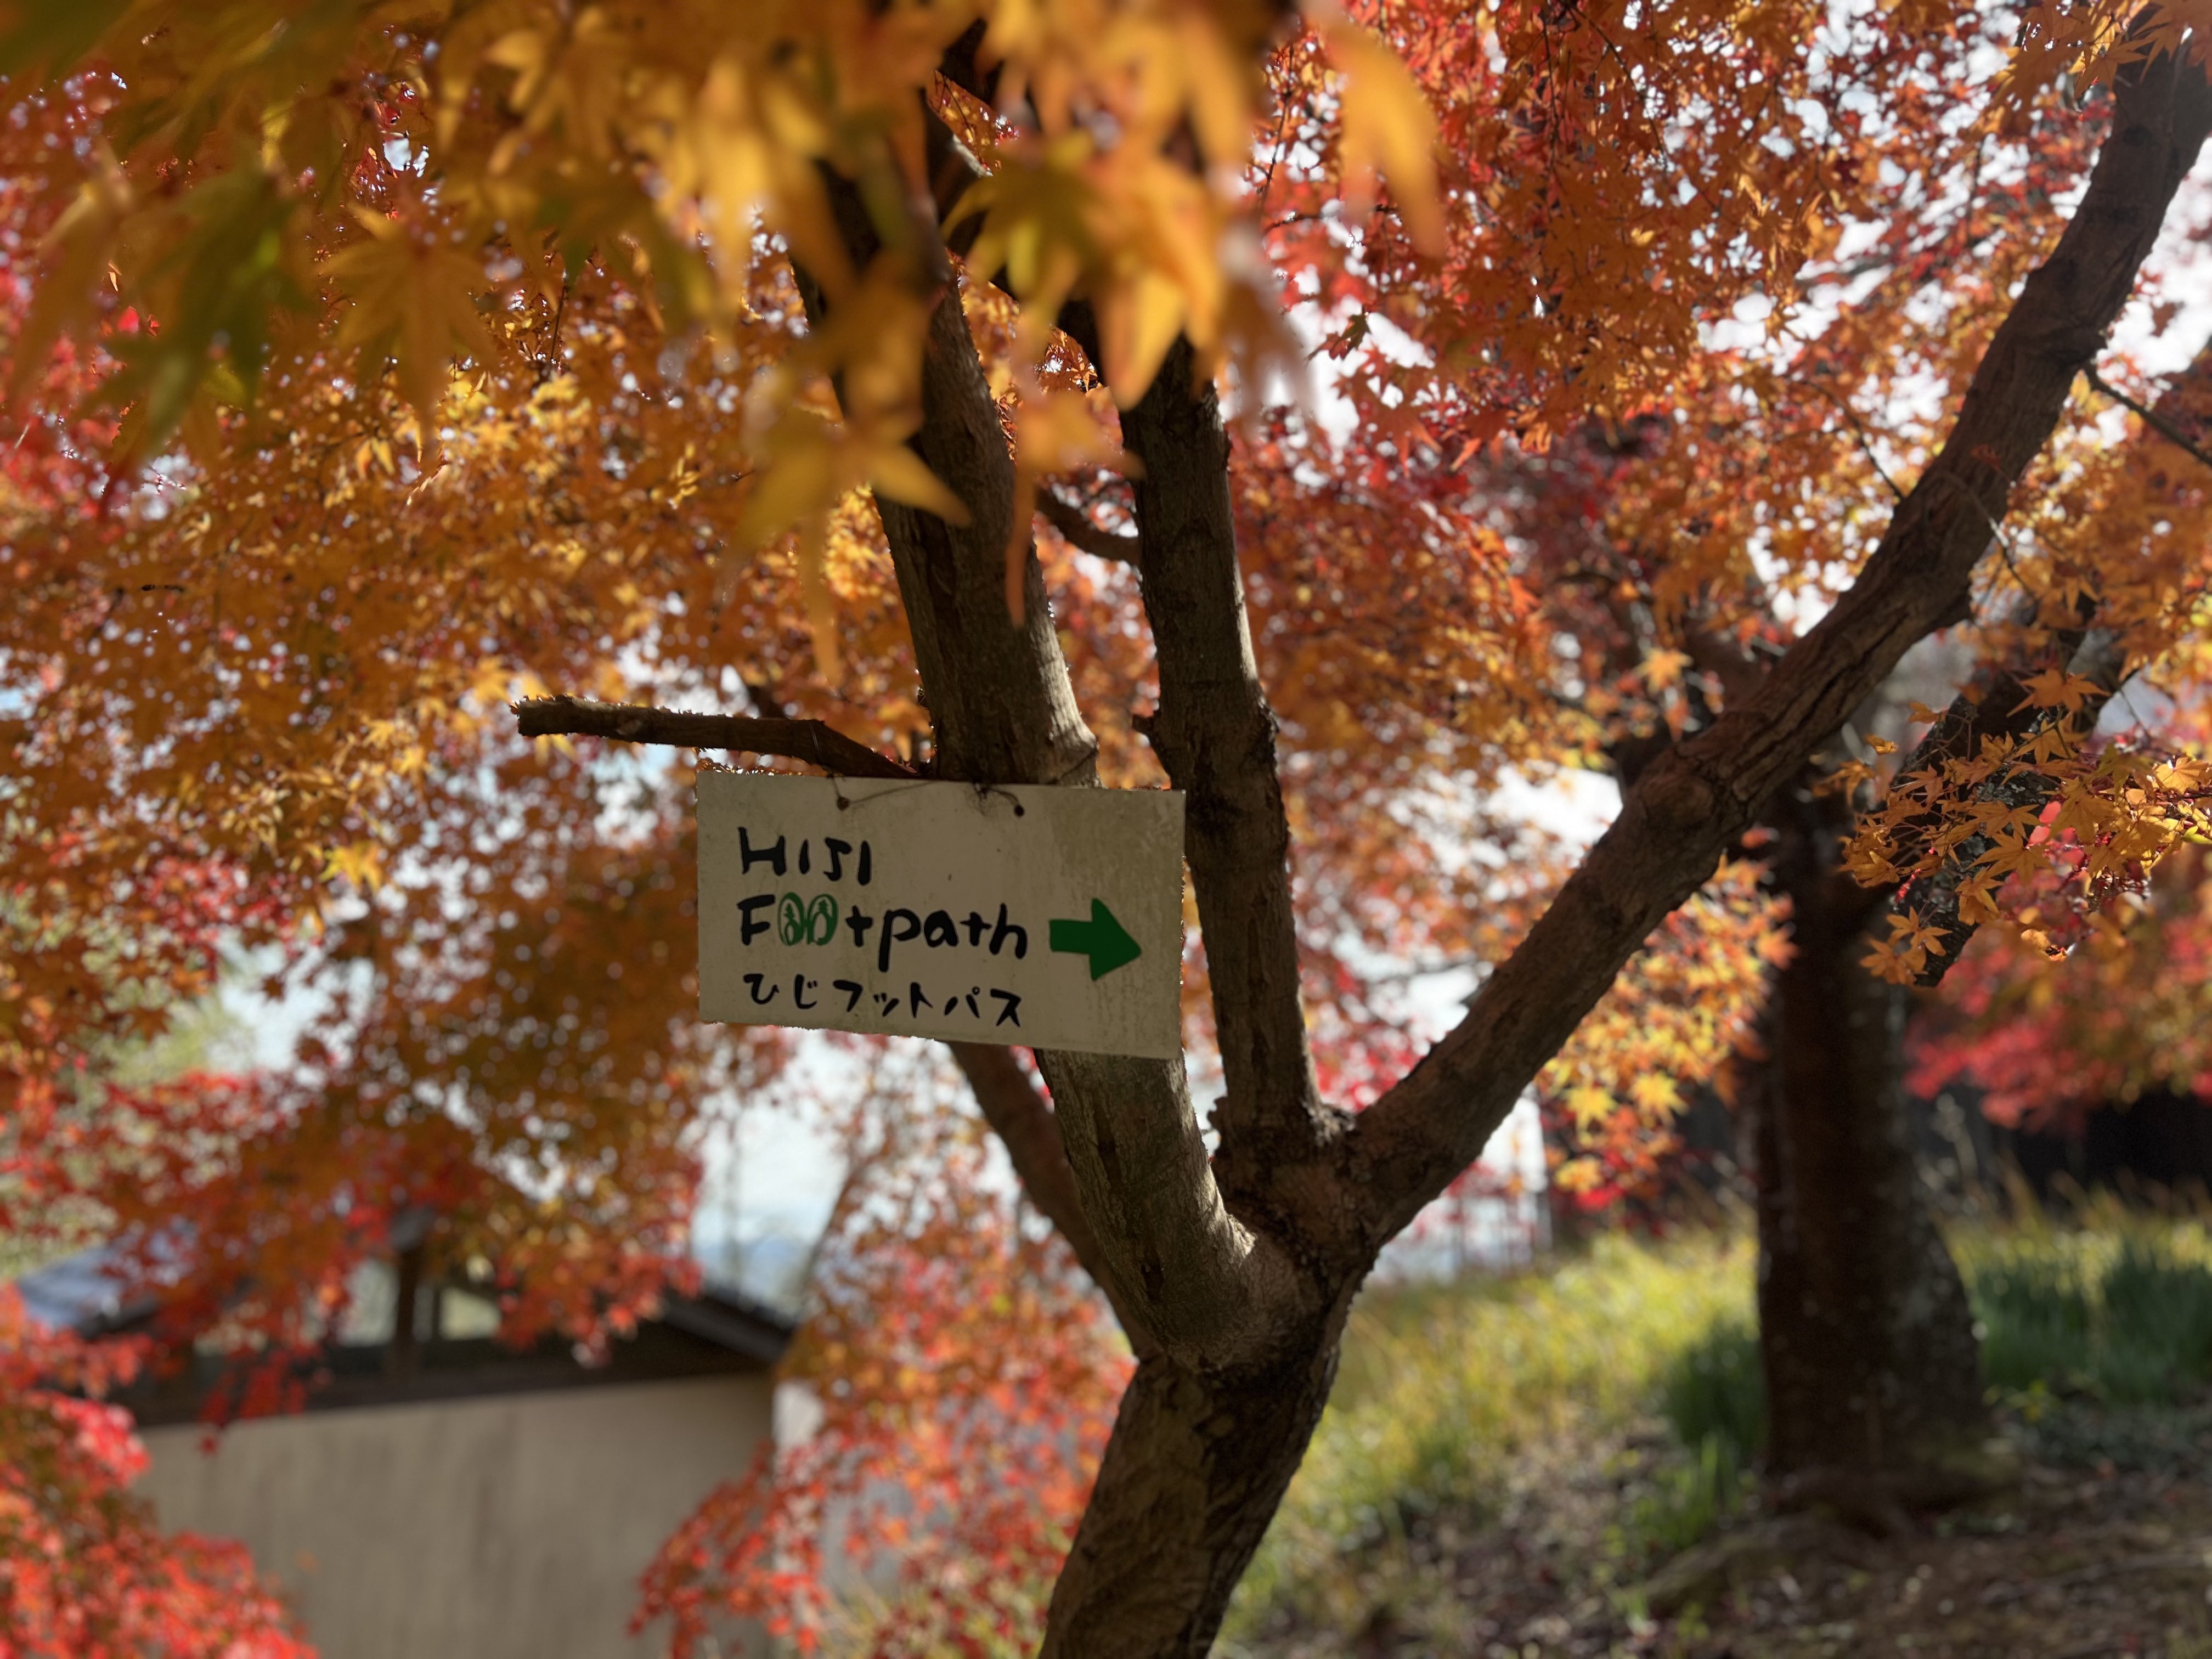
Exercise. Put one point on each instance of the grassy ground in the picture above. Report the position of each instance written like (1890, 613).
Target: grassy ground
(1507, 1463)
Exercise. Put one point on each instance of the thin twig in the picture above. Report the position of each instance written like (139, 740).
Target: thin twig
(812, 741)
(2150, 417)
(1859, 432)
(1274, 154)
(551, 365)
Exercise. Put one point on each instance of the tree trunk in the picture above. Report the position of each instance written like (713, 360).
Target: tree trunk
(1192, 1477)
(1873, 1382)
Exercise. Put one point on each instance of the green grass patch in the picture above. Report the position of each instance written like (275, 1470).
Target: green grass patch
(1713, 1389)
(1712, 1395)
(1442, 1385)
(2116, 1304)
(1639, 1363)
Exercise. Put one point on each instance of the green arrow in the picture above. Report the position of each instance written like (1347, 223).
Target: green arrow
(1103, 940)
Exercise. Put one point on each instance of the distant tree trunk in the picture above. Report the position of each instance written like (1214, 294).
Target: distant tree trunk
(1873, 1381)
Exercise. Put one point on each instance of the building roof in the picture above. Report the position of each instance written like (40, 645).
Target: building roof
(719, 1331)
(78, 1293)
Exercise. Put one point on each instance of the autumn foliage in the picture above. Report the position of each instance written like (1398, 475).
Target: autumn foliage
(2122, 1016)
(378, 365)
(83, 1568)
(964, 1374)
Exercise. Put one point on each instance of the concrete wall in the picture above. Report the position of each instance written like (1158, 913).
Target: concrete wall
(508, 1528)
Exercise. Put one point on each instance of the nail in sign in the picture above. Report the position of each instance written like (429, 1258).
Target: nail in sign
(1050, 917)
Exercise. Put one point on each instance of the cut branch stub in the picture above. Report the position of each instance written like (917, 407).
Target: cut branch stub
(811, 741)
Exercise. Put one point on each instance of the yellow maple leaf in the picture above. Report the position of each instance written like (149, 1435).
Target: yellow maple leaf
(2012, 856)
(1663, 668)
(1139, 320)
(896, 473)
(361, 863)
(2054, 688)
(489, 684)
(1978, 898)
(1588, 1104)
(414, 303)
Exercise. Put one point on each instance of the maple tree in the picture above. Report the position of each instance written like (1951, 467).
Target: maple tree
(83, 1569)
(651, 353)
(1868, 1336)
(1872, 1373)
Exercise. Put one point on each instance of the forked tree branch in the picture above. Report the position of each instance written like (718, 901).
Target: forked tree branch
(1692, 803)
(1003, 710)
(1210, 1289)
(812, 741)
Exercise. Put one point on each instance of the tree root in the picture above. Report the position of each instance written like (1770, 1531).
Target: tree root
(1880, 1502)
(1832, 1512)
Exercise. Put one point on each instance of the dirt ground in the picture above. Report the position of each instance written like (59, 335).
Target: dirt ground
(2103, 1547)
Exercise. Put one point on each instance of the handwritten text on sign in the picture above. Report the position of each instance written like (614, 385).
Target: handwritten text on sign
(1051, 918)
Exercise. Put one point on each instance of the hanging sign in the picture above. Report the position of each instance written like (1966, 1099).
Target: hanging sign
(1050, 917)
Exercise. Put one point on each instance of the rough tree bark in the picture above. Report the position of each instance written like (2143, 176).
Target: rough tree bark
(1238, 1270)
(1873, 1379)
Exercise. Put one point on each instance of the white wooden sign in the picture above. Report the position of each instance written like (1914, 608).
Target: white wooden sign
(1051, 918)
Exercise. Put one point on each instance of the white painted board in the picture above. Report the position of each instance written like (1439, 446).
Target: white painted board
(1050, 917)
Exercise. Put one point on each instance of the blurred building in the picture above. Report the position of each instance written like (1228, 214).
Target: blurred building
(446, 1496)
